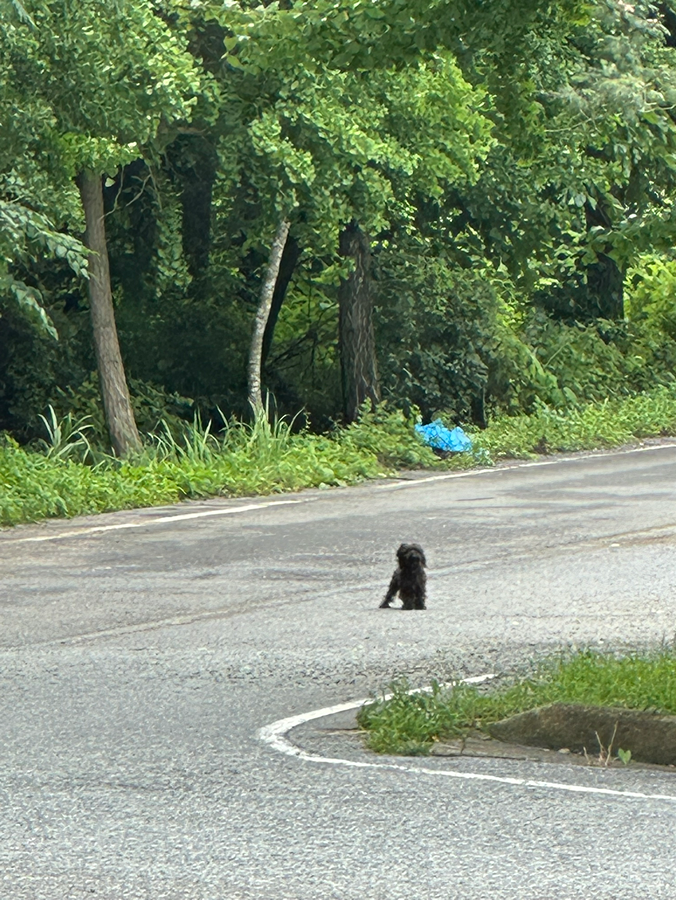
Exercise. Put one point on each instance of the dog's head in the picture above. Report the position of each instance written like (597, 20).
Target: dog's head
(410, 555)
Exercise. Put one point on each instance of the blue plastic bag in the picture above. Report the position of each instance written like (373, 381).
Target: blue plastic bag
(439, 437)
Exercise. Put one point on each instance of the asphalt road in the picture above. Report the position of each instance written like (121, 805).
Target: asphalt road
(142, 652)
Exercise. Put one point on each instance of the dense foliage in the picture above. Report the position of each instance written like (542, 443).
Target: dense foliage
(511, 168)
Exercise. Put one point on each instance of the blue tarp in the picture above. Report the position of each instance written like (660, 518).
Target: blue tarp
(441, 438)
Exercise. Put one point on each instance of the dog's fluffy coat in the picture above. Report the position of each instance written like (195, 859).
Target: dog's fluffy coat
(409, 579)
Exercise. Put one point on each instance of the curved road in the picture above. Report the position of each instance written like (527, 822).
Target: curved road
(142, 652)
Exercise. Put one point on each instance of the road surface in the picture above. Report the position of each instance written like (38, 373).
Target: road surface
(141, 654)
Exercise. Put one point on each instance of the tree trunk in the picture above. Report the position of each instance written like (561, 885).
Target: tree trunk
(604, 289)
(124, 434)
(196, 162)
(287, 267)
(267, 291)
(355, 326)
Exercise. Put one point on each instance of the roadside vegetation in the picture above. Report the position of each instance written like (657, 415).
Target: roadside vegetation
(609, 423)
(337, 205)
(410, 723)
(67, 474)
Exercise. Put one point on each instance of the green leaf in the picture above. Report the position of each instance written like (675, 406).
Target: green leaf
(624, 756)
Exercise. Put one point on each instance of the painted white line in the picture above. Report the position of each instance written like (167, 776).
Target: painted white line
(160, 520)
(469, 473)
(525, 465)
(274, 735)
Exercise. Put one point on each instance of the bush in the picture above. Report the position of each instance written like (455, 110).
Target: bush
(563, 366)
(389, 436)
(437, 330)
(153, 408)
(651, 292)
(595, 425)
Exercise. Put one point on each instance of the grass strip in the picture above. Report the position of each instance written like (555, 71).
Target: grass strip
(246, 460)
(589, 427)
(409, 724)
(263, 458)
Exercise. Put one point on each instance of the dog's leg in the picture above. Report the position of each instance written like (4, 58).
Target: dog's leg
(420, 590)
(407, 594)
(392, 590)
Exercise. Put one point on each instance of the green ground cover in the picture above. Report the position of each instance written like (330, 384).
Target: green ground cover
(66, 477)
(585, 427)
(410, 723)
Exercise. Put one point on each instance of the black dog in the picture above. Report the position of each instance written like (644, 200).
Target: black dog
(409, 578)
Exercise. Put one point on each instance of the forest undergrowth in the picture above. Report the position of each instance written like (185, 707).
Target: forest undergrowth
(66, 476)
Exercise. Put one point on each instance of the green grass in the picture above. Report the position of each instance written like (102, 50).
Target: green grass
(588, 427)
(61, 479)
(409, 724)
(245, 460)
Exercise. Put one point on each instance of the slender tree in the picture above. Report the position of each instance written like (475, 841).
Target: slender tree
(100, 82)
(355, 325)
(124, 434)
(267, 291)
(287, 267)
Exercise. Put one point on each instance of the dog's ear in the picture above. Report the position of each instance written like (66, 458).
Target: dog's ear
(415, 551)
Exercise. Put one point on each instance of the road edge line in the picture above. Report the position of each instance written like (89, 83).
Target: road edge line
(533, 464)
(274, 736)
(158, 520)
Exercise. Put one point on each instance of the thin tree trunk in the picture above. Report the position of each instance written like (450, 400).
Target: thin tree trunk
(256, 350)
(355, 326)
(287, 267)
(196, 162)
(124, 434)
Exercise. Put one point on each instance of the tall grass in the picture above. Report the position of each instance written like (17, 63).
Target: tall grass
(594, 425)
(245, 459)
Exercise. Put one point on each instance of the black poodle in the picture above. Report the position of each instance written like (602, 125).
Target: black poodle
(409, 578)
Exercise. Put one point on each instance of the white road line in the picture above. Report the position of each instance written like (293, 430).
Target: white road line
(404, 483)
(398, 485)
(160, 520)
(274, 735)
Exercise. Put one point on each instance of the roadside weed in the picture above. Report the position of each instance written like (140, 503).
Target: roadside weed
(589, 427)
(270, 455)
(634, 681)
(624, 756)
(66, 437)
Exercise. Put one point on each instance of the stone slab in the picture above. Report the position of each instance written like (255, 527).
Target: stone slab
(650, 737)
